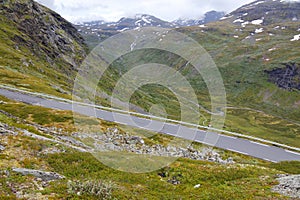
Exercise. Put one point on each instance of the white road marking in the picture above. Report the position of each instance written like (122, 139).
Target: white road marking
(203, 142)
(173, 125)
(266, 159)
(123, 123)
(292, 152)
(238, 151)
(230, 137)
(259, 144)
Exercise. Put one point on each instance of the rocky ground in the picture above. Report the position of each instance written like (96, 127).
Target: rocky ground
(289, 185)
(114, 140)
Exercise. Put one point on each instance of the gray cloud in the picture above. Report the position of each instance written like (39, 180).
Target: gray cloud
(113, 10)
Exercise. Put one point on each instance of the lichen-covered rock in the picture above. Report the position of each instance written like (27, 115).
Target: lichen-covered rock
(289, 185)
(45, 176)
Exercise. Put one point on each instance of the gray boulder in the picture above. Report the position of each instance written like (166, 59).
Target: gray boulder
(289, 185)
(45, 176)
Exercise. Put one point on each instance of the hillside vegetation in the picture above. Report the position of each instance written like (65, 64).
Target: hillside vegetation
(256, 49)
(39, 49)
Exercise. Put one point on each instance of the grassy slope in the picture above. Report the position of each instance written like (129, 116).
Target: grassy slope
(24, 62)
(239, 181)
(242, 66)
(274, 113)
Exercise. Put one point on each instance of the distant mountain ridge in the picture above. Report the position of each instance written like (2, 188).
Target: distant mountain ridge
(139, 20)
(210, 16)
(268, 11)
(96, 31)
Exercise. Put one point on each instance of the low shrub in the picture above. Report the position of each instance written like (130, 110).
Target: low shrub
(98, 188)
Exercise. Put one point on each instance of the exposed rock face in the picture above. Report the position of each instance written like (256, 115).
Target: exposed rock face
(212, 16)
(45, 33)
(287, 77)
(289, 185)
(45, 176)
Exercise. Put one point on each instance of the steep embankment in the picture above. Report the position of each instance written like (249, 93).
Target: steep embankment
(39, 49)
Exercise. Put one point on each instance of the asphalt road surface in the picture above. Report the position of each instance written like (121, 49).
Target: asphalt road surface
(243, 146)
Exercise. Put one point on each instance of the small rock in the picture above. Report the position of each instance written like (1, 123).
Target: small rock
(2, 148)
(174, 181)
(230, 160)
(197, 186)
(162, 174)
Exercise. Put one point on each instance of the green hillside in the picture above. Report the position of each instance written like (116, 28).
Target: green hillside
(253, 54)
(39, 49)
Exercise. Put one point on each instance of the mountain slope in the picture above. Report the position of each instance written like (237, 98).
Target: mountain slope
(97, 31)
(39, 49)
(258, 56)
(210, 16)
(277, 11)
(246, 54)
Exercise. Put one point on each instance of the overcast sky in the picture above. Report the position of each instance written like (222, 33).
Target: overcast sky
(113, 10)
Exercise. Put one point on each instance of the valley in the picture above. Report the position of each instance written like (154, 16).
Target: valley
(131, 149)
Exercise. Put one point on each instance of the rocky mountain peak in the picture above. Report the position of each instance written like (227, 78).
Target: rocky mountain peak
(208, 17)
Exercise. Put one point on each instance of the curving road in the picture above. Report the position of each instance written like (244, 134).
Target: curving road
(243, 146)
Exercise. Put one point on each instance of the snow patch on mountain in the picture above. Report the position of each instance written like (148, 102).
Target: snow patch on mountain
(289, 0)
(244, 24)
(238, 21)
(226, 17)
(257, 3)
(272, 49)
(259, 30)
(296, 38)
(257, 21)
